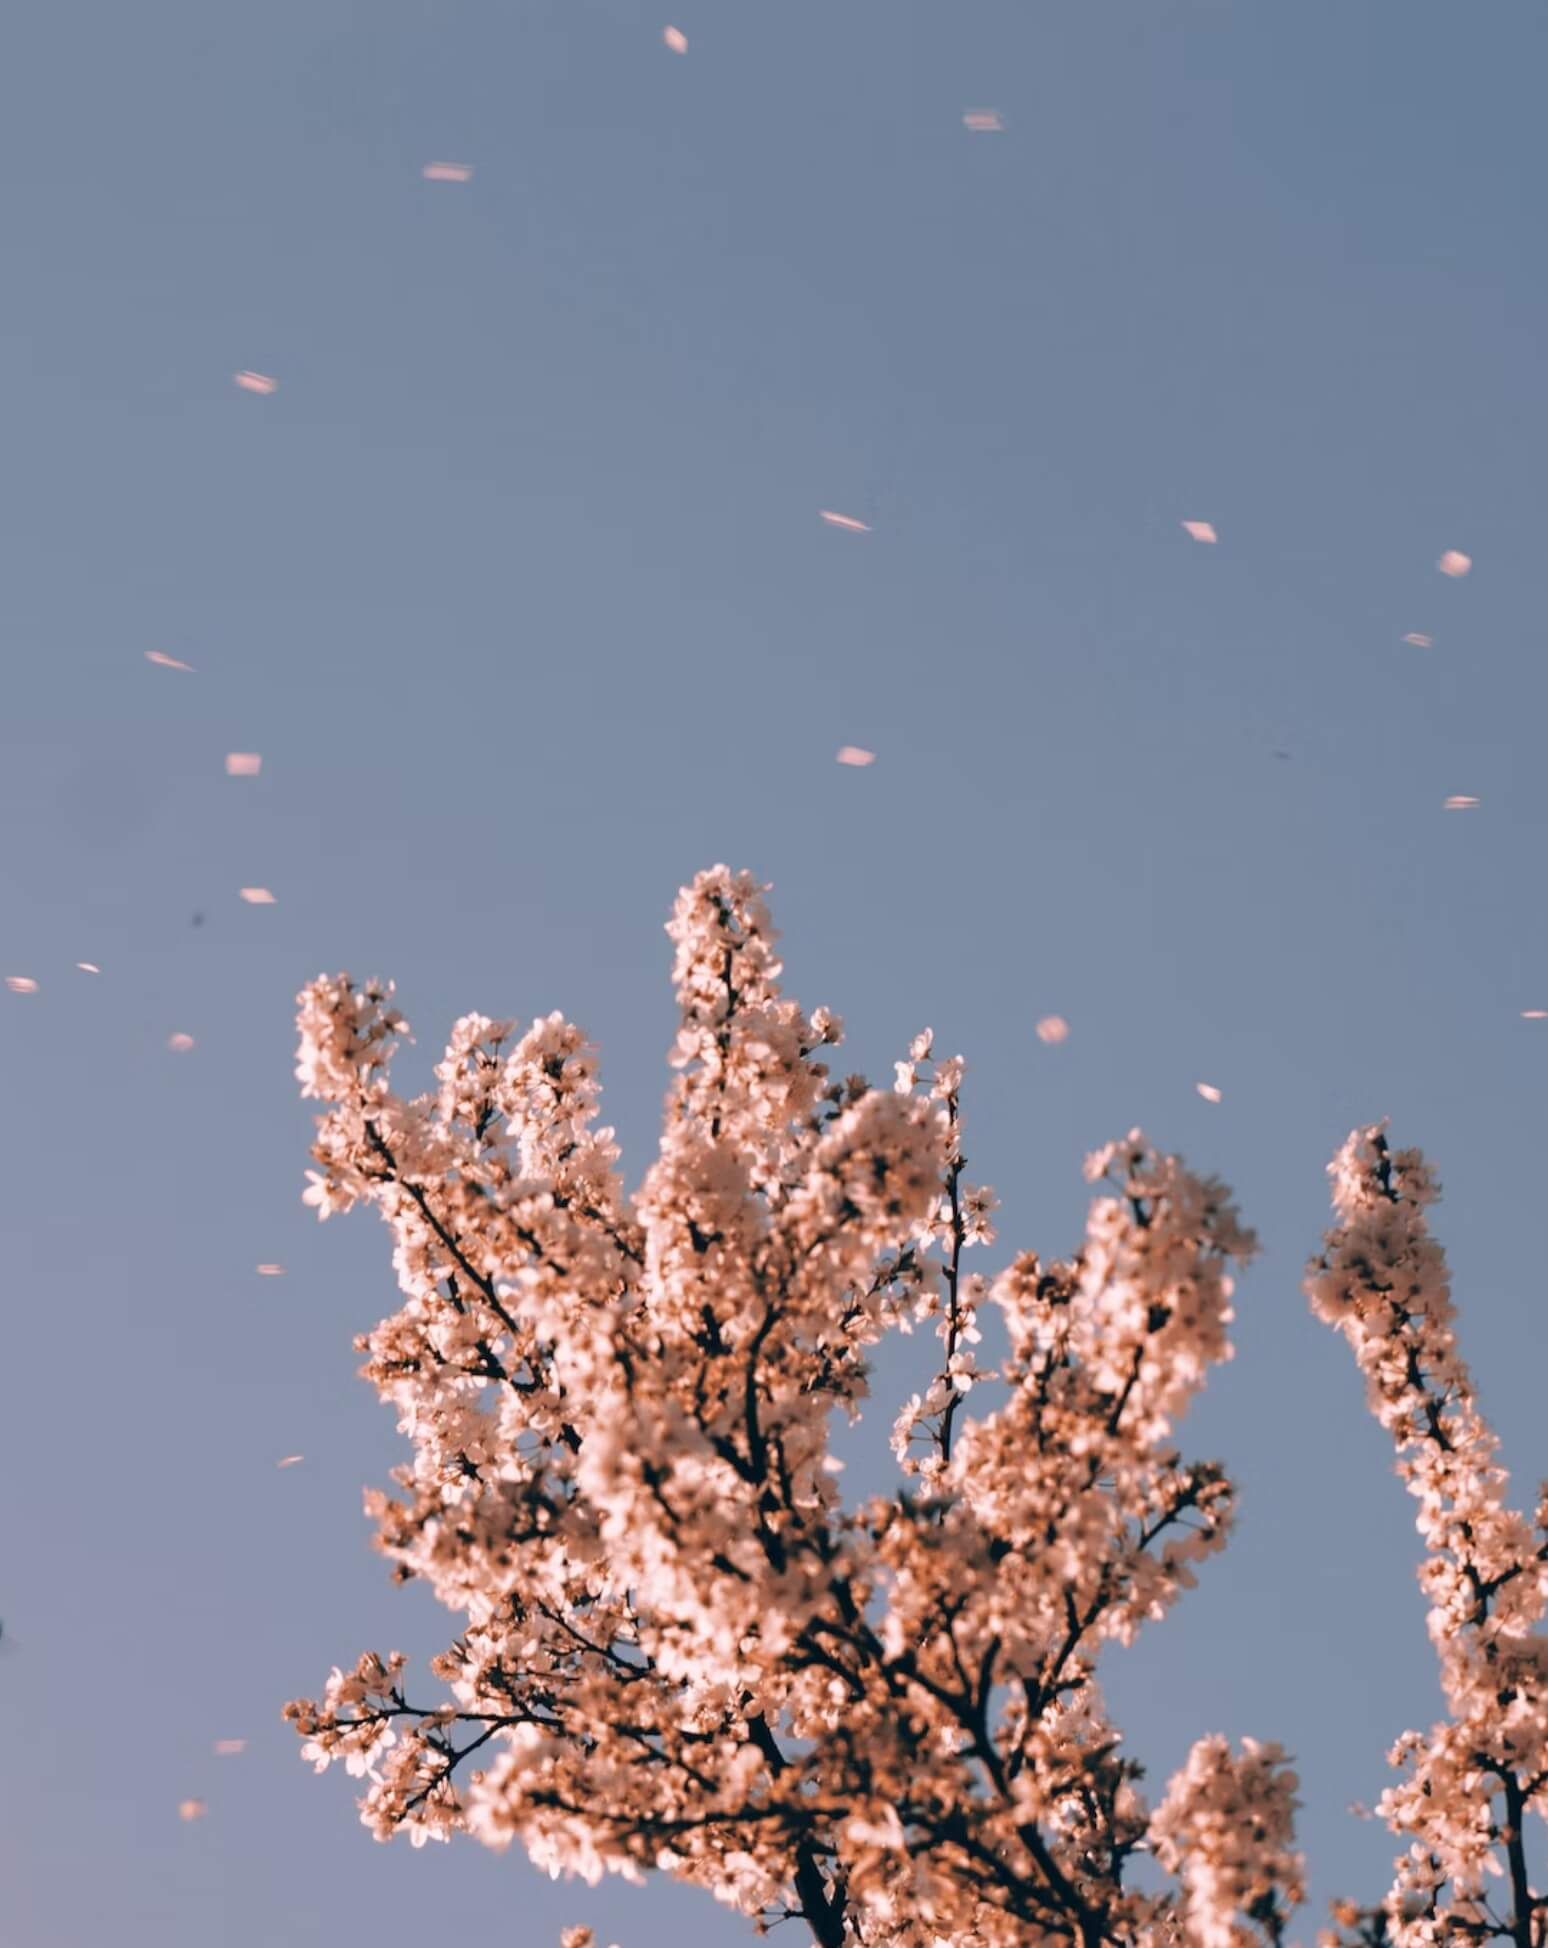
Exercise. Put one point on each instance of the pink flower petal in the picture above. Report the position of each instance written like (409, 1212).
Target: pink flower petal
(1208, 1091)
(1454, 562)
(189, 1809)
(1419, 641)
(847, 521)
(675, 39)
(982, 121)
(255, 382)
(228, 1748)
(88, 967)
(447, 172)
(166, 662)
(1201, 530)
(243, 764)
(290, 1460)
(180, 1043)
(271, 1271)
(853, 754)
(1459, 803)
(257, 896)
(21, 984)
(1052, 1029)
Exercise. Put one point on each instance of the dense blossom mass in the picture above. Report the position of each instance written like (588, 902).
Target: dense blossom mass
(1470, 1782)
(680, 1648)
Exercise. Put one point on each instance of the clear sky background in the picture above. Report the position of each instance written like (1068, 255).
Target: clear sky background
(518, 584)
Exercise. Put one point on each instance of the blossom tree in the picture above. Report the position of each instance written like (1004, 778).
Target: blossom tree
(680, 1648)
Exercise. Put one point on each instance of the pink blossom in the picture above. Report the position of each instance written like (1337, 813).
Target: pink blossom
(677, 1648)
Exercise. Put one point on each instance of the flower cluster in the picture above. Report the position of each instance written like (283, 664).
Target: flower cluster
(1469, 1783)
(679, 1648)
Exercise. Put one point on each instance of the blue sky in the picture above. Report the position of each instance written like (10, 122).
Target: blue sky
(518, 584)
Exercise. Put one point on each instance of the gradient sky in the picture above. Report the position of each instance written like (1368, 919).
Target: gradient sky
(519, 586)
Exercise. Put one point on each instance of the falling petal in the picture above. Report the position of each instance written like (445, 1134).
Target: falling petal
(1052, 1029)
(189, 1809)
(1534, 1014)
(675, 39)
(447, 172)
(243, 764)
(1419, 641)
(181, 1043)
(1454, 562)
(166, 662)
(983, 121)
(1459, 803)
(847, 521)
(1208, 1091)
(228, 1748)
(271, 1271)
(853, 754)
(88, 967)
(21, 984)
(257, 896)
(1201, 530)
(255, 382)
(290, 1460)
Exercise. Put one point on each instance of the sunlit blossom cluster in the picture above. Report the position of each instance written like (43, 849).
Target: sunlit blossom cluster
(678, 1647)
(1469, 1784)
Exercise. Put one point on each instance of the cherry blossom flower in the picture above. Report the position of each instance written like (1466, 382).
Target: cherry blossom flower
(679, 1648)
(1226, 1827)
(1467, 1784)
